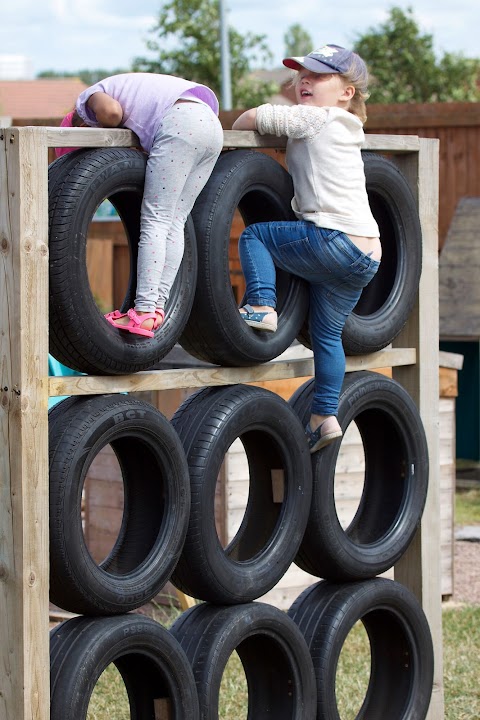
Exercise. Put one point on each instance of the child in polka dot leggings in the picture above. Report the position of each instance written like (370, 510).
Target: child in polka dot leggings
(177, 124)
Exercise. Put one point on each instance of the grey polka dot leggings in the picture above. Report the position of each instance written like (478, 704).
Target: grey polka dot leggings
(184, 151)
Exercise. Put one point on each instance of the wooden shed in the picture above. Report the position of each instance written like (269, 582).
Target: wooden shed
(459, 272)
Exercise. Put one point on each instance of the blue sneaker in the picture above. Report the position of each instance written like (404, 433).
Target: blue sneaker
(259, 320)
(323, 435)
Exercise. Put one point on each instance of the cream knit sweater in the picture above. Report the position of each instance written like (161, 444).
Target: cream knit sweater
(325, 162)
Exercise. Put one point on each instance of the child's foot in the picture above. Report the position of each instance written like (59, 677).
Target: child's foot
(326, 432)
(260, 317)
(137, 323)
(118, 318)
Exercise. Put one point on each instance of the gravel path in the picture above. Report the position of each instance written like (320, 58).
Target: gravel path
(466, 569)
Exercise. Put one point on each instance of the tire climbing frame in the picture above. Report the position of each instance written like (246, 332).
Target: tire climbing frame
(26, 387)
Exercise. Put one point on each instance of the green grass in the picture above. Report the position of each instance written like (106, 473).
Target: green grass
(461, 635)
(467, 507)
(461, 638)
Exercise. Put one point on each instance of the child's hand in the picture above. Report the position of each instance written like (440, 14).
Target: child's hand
(246, 121)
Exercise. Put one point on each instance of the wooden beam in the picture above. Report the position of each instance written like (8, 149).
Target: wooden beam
(200, 377)
(419, 569)
(24, 646)
(90, 137)
(103, 137)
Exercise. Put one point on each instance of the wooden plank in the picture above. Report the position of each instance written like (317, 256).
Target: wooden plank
(420, 568)
(387, 143)
(90, 137)
(448, 382)
(185, 600)
(100, 271)
(162, 709)
(103, 137)
(201, 377)
(24, 649)
(450, 360)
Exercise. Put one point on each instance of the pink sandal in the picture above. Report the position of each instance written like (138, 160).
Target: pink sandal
(159, 321)
(135, 323)
(116, 315)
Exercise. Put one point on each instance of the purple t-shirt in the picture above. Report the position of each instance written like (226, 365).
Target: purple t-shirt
(145, 98)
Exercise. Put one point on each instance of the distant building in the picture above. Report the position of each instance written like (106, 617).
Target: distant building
(15, 67)
(283, 78)
(38, 99)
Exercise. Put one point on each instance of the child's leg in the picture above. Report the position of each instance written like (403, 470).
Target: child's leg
(199, 155)
(327, 320)
(258, 266)
(187, 133)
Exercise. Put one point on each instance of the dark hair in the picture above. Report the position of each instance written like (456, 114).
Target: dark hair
(77, 120)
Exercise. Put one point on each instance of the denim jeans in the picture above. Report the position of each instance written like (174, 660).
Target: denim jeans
(336, 270)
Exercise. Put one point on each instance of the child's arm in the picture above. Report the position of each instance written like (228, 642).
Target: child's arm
(246, 121)
(109, 112)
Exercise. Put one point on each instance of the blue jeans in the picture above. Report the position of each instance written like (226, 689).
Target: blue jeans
(336, 270)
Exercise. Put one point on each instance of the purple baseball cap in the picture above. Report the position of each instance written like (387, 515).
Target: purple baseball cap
(327, 59)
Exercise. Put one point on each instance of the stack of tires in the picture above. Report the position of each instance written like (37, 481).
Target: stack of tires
(170, 471)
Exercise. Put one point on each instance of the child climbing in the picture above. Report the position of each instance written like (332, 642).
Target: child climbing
(334, 244)
(177, 124)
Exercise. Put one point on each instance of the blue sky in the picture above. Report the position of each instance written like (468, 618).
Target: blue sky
(76, 34)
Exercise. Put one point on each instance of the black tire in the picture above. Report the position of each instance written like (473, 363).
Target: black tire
(262, 190)
(272, 528)
(156, 503)
(274, 655)
(79, 335)
(402, 660)
(395, 485)
(151, 662)
(387, 301)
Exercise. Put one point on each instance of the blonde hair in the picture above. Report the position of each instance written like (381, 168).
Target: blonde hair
(357, 75)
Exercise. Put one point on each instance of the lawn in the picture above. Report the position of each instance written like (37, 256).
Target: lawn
(467, 507)
(461, 634)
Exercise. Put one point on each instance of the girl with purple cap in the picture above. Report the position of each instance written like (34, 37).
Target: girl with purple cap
(178, 127)
(334, 244)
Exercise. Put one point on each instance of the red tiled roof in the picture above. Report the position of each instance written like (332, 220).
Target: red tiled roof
(39, 98)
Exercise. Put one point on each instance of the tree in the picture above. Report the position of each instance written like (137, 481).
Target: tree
(404, 68)
(89, 77)
(187, 44)
(298, 41)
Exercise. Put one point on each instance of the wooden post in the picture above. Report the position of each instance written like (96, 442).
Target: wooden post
(419, 569)
(24, 646)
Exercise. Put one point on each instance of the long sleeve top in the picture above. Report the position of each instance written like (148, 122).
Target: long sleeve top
(145, 98)
(325, 162)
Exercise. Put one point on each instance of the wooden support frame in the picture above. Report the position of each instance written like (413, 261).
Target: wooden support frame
(25, 387)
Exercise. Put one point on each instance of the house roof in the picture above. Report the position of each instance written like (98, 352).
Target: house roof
(39, 98)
